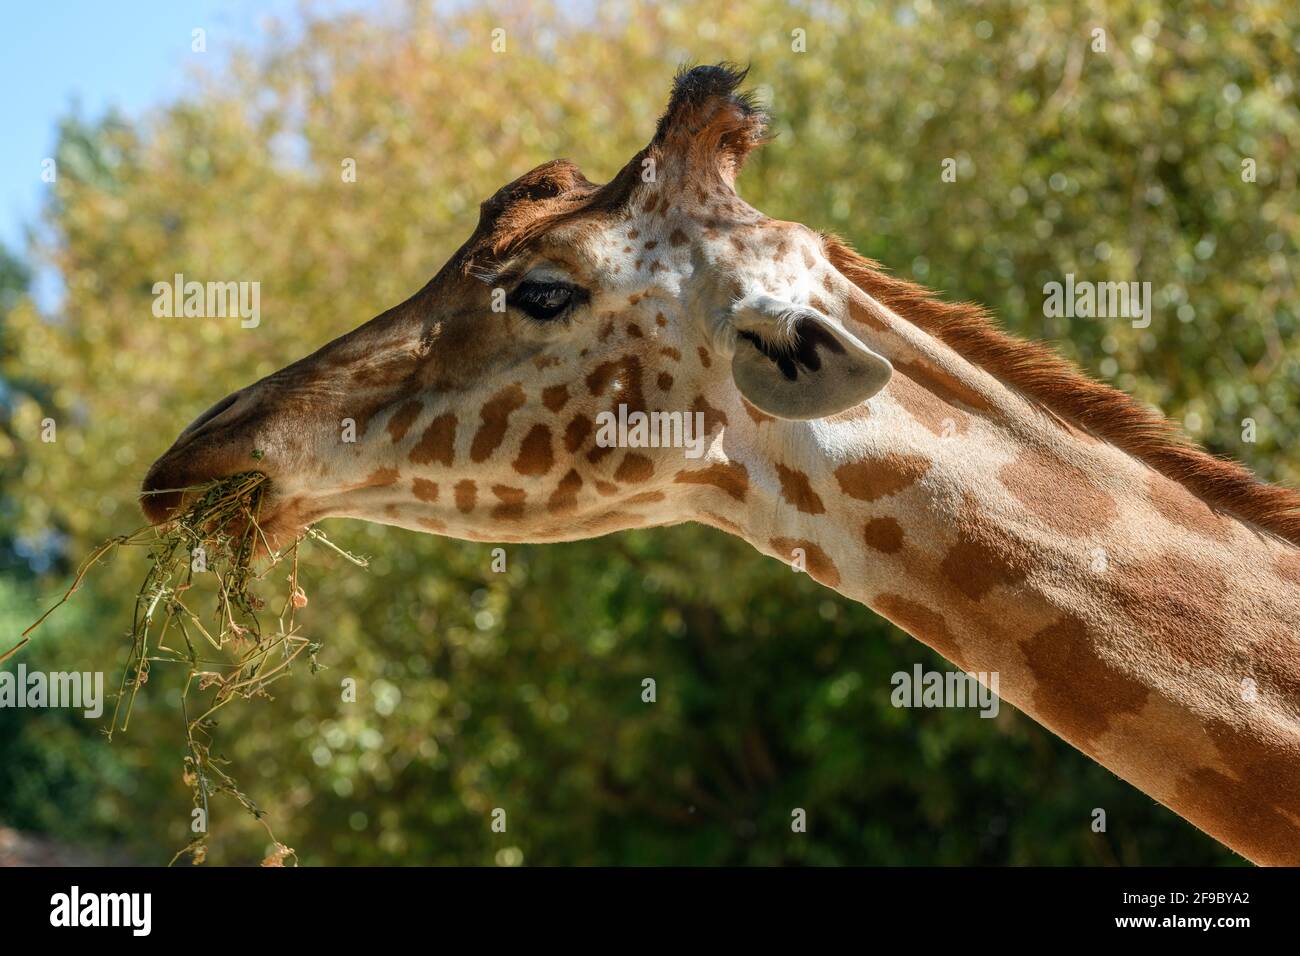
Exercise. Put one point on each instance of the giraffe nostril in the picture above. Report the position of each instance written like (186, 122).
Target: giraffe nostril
(210, 414)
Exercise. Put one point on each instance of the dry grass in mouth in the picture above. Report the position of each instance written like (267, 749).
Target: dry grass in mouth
(231, 656)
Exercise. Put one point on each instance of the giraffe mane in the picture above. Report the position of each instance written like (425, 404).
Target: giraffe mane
(1036, 371)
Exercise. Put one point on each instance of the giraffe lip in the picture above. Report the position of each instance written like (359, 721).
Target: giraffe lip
(169, 489)
(159, 507)
(278, 524)
(162, 497)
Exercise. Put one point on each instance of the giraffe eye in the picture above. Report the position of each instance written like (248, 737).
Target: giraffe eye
(544, 301)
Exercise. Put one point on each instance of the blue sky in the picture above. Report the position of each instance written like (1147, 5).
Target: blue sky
(98, 54)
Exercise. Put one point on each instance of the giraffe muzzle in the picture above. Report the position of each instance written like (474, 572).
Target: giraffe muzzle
(215, 445)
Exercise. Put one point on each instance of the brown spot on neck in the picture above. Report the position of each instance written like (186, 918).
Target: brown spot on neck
(495, 418)
(565, 497)
(874, 478)
(922, 623)
(944, 384)
(722, 524)
(818, 563)
(466, 495)
(797, 490)
(979, 561)
(510, 506)
(1183, 606)
(403, 418)
(859, 311)
(1077, 692)
(379, 478)
(731, 477)
(714, 418)
(883, 534)
(936, 415)
(576, 433)
(1255, 805)
(1178, 505)
(1058, 494)
(634, 468)
(535, 454)
(425, 490)
(555, 397)
(438, 443)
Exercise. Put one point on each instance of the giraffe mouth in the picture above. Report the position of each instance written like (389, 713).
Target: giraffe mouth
(222, 442)
(275, 523)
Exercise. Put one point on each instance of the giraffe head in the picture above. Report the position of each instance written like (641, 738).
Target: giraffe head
(488, 405)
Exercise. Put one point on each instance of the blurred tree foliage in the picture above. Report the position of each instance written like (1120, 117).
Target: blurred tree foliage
(523, 690)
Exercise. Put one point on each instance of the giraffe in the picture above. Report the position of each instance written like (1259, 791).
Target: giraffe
(1137, 596)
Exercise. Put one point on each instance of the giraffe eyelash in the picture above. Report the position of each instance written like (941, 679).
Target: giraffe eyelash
(547, 300)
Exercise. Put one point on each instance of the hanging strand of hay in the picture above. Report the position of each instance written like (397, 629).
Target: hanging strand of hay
(231, 656)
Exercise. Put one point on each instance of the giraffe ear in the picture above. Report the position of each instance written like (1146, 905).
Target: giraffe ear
(793, 362)
(709, 121)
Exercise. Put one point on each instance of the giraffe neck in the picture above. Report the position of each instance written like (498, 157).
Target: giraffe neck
(1154, 634)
